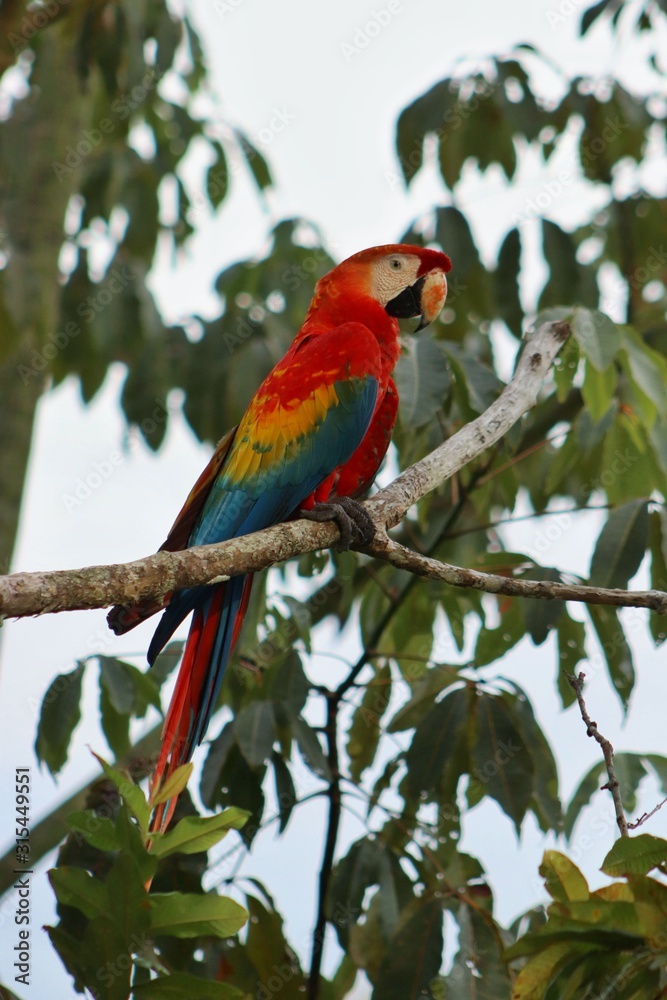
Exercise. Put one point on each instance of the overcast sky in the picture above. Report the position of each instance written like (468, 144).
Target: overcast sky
(318, 87)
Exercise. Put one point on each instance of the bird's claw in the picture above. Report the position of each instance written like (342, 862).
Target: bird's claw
(355, 524)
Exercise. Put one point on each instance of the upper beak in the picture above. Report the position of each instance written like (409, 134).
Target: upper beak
(433, 295)
(424, 299)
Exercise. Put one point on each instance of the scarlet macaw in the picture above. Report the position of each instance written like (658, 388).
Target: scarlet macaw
(310, 442)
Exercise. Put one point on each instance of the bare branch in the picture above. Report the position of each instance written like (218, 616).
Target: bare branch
(519, 396)
(386, 548)
(577, 683)
(644, 816)
(100, 586)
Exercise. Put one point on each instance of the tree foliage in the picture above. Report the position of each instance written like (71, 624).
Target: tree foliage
(424, 726)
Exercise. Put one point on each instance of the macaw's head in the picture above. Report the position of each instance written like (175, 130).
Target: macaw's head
(407, 281)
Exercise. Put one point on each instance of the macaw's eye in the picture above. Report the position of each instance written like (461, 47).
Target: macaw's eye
(395, 264)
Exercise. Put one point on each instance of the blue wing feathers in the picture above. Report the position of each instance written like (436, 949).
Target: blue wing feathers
(232, 510)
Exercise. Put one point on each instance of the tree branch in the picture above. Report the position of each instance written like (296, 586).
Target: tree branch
(384, 547)
(577, 683)
(646, 815)
(24, 594)
(333, 823)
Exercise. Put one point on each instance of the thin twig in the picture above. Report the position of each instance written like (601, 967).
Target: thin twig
(644, 816)
(577, 683)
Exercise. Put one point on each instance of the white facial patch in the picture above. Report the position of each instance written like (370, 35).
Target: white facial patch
(393, 274)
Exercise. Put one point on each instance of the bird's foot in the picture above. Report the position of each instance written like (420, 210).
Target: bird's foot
(354, 522)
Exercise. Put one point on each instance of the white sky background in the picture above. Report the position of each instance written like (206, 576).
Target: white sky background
(333, 163)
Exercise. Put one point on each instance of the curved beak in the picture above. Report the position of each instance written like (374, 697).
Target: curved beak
(433, 295)
(424, 299)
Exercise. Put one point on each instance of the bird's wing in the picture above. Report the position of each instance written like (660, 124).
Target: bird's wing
(305, 421)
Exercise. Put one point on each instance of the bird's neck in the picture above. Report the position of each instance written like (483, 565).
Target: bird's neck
(331, 310)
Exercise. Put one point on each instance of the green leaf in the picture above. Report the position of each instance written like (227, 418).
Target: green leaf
(422, 380)
(77, 887)
(187, 914)
(99, 831)
(542, 617)
(625, 471)
(129, 791)
(255, 730)
(616, 650)
(100, 948)
(621, 546)
(298, 625)
(493, 643)
(132, 843)
(181, 986)
(659, 765)
(546, 802)
(598, 389)
(435, 741)
(481, 383)
(591, 15)
(597, 335)
(115, 726)
(310, 749)
(118, 683)
(285, 790)
(382, 784)
(240, 785)
(506, 282)
(426, 114)
(424, 690)
(360, 869)
(414, 955)
(289, 683)
(658, 549)
(544, 967)
(565, 367)
(216, 759)
(59, 717)
(571, 651)
(478, 971)
(635, 855)
(344, 979)
(258, 165)
(128, 906)
(364, 732)
(166, 661)
(470, 285)
(268, 950)
(562, 878)
(217, 176)
(647, 368)
(146, 691)
(172, 786)
(503, 766)
(569, 283)
(198, 833)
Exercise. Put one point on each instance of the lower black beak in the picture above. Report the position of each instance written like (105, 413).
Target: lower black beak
(408, 303)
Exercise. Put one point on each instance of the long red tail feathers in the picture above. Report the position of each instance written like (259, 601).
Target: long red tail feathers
(173, 741)
(176, 748)
(188, 701)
